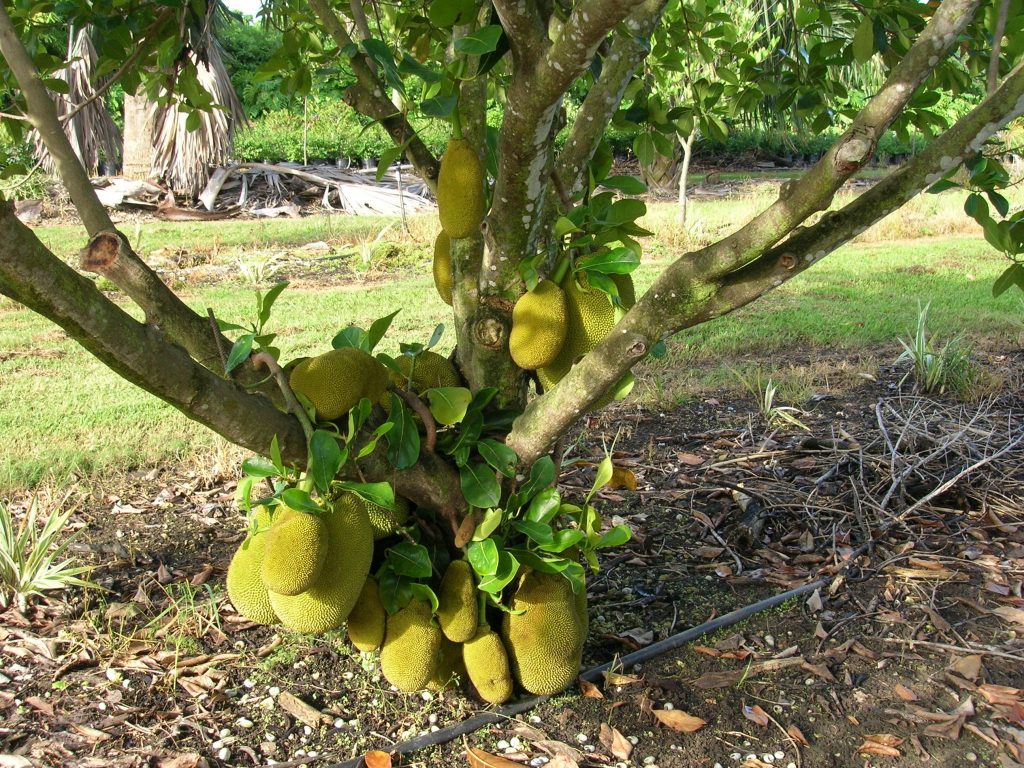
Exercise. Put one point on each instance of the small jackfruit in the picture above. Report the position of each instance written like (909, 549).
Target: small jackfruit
(367, 619)
(457, 600)
(326, 604)
(412, 646)
(443, 267)
(487, 666)
(450, 668)
(460, 190)
(246, 589)
(544, 635)
(336, 381)
(539, 326)
(627, 291)
(431, 370)
(295, 551)
(385, 521)
(591, 317)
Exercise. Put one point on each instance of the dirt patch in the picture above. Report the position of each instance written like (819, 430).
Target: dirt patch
(913, 658)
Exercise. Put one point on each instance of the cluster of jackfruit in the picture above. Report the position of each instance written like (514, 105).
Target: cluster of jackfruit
(460, 207)
(336, 381)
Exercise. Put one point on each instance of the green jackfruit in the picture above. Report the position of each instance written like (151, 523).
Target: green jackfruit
(591, 318)
(295, 551)
(412, 647)
(366, 621)
(384, 521)
(457, 598)
(431, 370)
(487, 666)
(539, 326)
(336, 381)
(326, 604)
(246, 589)
(450, 668)
(627, 291)
(460, 190)
(544, 635)
(443, 267)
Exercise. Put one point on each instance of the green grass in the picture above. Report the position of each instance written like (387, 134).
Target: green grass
(62, 412)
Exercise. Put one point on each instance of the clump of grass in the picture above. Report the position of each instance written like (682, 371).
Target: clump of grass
(31, 560)
(764, 393)
(936, 369)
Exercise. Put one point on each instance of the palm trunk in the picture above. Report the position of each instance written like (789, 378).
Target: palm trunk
(138, 137)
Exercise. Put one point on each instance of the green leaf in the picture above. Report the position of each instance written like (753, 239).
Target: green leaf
(1008, 278)
(479, 485)
(275, 455)
(381, 494)
(448, 405)
(488, 524)
(574, 573)
(564, 539)
(426, 594)
(540, 533)
(1000, 203)
(506, 570)
(324, 459)
(864, 40)
(540, 563)
(445, 13)
(353, 337)
(483, 556)
(629, 185)
(659, 349)
(564, 226)
(542, 475)
(441, 107)
(267, 302)
(484, 40)
(619, 261)
(626, 210)
(403, 438)
(976, 207)
(436, 336)
(408, 559)
(604, 476)
(409, 66)
(643, 148)
(257, 466)
(616, 537)
(544, 506)
(240, 352)
(499, 456)
(378, 328)
(300, 500)
(386, 159)
(394, 590)
(381, 54)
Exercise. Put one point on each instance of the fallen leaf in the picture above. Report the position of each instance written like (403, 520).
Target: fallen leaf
(40, 704)
(590, 690)
(755, 714)
(560, 751)
(15, 761)
(968, 667)
(883, 744)
(708, 553)
(622, 478)
(798, 736)
(678, 720)
(1010, 614)
(300, 710)
(562, 761)
(814, 602)
(613, 740)
(187, 760)
(377, 759)
(479, 759)
(92, 735)
(820, 670)
(690, 459)
(616, 678)
(904, 693)
(639, 636)
(722, 679)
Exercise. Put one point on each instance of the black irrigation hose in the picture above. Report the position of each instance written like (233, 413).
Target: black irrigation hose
(445, 735)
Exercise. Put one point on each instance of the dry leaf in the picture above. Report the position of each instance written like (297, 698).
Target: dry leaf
(615, 678)
(40, 704)
(590, 690)
(883, 744)
(678, 720)
(466, 530)
(819, 670)
(639, 636)
(690, 459)
(613, 740)
(708, 553)
(755, 714)
(904, 693)
(92, 735)
(562, 761)
(300, 710)
(719, 679)
(1010, 614)
(377, 759)
(187, 760)
(968, 667)
(479, 759)
(798, 736)
(814, 602)
(622, 478)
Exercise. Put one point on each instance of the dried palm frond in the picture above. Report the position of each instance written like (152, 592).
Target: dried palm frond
(91, 129)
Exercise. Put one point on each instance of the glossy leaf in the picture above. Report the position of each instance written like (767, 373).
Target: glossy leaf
(448, 405)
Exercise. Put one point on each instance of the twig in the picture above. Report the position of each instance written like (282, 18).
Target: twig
(413, 401)
(997, 45)
(947, 647)
(267, 360)
(217, 337)
(563, 193)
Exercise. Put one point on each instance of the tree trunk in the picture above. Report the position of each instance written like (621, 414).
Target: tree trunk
(684, 172)
(138, 137)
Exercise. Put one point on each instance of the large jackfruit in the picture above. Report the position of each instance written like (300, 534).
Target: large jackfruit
(431, 370)
(443, 267)
(326, 604)
(246, 589)
(460, 190)
(295, 551)
(487, 666)
(450, 668)
(385, 521)
(544, 635)
(367, 619)
(539, 326)
(412, 646)
(590, 317)
(336, 381)
(458, 609)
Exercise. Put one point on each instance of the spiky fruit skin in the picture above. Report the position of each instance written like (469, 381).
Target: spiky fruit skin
(590, 317)
(385, 521)
(487, 666)
(412, 645)
(449, 667)
(545, 640)
(367, 619)
(627, 291)
(246, 589)
(336, 381)
(295, 551)
(430, 371)
(326, 604)
(443, 267)
(458, 608)
(539, 326)
(460, 190)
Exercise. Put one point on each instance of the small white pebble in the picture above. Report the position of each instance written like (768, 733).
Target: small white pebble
(669, 705)
(735, 755)
(312, 753)
(768, 758)
(339, 722)
(718, 765)
(621, 765)
(347, 675)
(354, 722)
(427, 696)
(581, 737)
(633, 740)
(270, 737)
(274, 690)
(769, 641)
(511, 751)
(751, 756)
(224, 754)
(300, 753)
(113, 675)
(588, 747)
(809, 681)
(434, 729)
(102, 706)
(649, 760)
(431, 718)
(790, 765)
(224, 733)
(307, 730)
(248, 683)
(503, 744)
(746, 743)
(779, 754)
(515, 741)
(217, 744)
(243, 722)
(537, 762)
(534, 719)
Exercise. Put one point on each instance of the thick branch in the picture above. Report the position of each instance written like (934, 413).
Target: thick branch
(524, 25)
(997, 44)
(368, 97)
(683, 301)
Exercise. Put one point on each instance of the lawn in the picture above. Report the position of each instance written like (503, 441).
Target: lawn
(62, 412)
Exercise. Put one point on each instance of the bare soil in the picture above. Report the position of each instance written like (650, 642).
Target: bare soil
(912, 657)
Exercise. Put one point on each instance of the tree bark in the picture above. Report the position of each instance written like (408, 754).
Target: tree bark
(684, 174)
(138, 137)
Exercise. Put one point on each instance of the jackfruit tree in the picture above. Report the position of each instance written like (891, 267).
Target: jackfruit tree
(415, 496)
